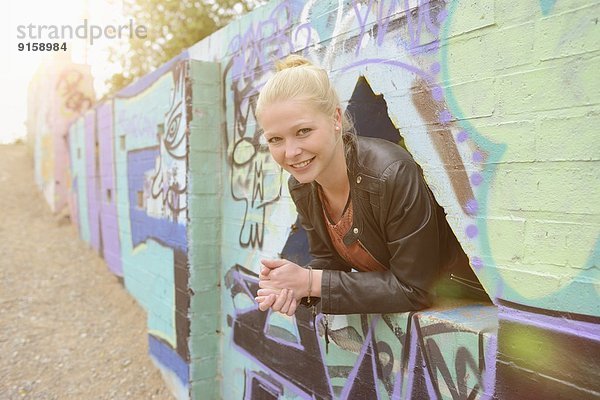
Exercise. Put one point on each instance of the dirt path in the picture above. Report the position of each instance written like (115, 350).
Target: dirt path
(68, 328)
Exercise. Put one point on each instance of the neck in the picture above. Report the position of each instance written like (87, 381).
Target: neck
(335, 181)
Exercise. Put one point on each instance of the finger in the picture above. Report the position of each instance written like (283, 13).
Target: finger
(288, 302)
(273, 263)
(264, 273)
(263, 302)
(267, 303)
(280, 300)
(267, 291)
(261, 298)
(266, 285)
(293, 307)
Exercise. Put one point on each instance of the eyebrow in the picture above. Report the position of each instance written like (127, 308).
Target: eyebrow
(294, 127)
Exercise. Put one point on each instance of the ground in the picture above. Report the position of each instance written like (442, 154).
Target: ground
(68, 327)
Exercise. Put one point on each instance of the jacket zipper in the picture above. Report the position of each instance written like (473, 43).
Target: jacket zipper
(467, 282)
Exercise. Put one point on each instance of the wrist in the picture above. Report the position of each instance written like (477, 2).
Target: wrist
(316, 283)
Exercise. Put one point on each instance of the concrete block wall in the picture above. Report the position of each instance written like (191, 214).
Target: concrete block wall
(496, 100)
(58, 92)
(205, 213)
(151, 125)
(129, 162)
(520, 82)
(482, 93)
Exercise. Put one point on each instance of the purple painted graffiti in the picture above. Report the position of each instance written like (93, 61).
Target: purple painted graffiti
(108, 205)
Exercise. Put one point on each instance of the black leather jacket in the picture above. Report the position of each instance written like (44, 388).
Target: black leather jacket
(396, 220)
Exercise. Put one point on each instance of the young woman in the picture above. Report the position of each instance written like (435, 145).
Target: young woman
(379, 241)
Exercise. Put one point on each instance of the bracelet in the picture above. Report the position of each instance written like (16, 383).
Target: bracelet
(309, 283)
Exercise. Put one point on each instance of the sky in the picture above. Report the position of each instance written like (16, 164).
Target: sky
(17, 67)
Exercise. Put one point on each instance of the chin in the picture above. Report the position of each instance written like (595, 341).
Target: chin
(304, 178)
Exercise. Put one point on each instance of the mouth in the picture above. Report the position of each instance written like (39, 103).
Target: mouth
(302, 164)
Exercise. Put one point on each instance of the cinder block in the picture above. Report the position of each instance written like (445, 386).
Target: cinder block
(205, 183)
(563, 245)
(205, 258)
(551, 187)
(512, 47)
(204, 347)
(568, 138)
(476, 98)
(563, 85)
(502, 233)
(467, 16)
(518, 136)
(564, 34)
(204, 324)
(205, 279)
(466, 61)
(208, 301)
(208, 388)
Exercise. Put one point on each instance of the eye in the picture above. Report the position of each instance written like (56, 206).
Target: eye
(304, 131)
(273, 140)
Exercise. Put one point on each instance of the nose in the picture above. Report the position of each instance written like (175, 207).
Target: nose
(292, 149)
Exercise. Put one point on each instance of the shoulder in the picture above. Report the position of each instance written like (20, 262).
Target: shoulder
(379, 157)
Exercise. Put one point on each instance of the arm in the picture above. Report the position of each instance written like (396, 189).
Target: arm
(283, 284)
(408, 221)
(277, 274)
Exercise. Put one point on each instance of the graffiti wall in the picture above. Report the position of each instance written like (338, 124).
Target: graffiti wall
(58, 92)
(205, 216)
(481, 93)
(151, 121)
(129, 167)
(495, 100)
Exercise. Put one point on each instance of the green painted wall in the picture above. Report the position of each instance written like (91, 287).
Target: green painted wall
(496, 100)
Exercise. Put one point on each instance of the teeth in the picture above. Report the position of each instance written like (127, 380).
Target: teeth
(302, 164)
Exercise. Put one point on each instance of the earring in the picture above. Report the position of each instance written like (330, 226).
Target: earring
(337, 128)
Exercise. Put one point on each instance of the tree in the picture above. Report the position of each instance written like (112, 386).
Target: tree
(172, 26)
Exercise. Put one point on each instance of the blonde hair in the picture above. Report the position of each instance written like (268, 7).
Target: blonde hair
(297, 78)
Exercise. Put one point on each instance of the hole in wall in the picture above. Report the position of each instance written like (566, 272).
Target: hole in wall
(369, 112)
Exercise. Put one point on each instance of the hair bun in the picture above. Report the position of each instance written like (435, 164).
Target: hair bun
(291, 61)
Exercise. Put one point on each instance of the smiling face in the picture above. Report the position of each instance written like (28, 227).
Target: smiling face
(304, 141)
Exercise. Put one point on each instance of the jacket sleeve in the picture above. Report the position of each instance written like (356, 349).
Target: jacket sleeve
(410, 227)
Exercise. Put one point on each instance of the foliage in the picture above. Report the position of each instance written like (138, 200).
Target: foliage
(172, 26)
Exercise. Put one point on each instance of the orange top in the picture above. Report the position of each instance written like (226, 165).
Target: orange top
(355, 254)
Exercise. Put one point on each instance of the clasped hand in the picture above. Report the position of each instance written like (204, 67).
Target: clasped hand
(282, 284)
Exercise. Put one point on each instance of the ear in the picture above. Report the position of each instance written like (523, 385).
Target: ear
(337, 117)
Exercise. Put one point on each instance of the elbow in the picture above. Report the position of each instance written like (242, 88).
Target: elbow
(421, 299)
